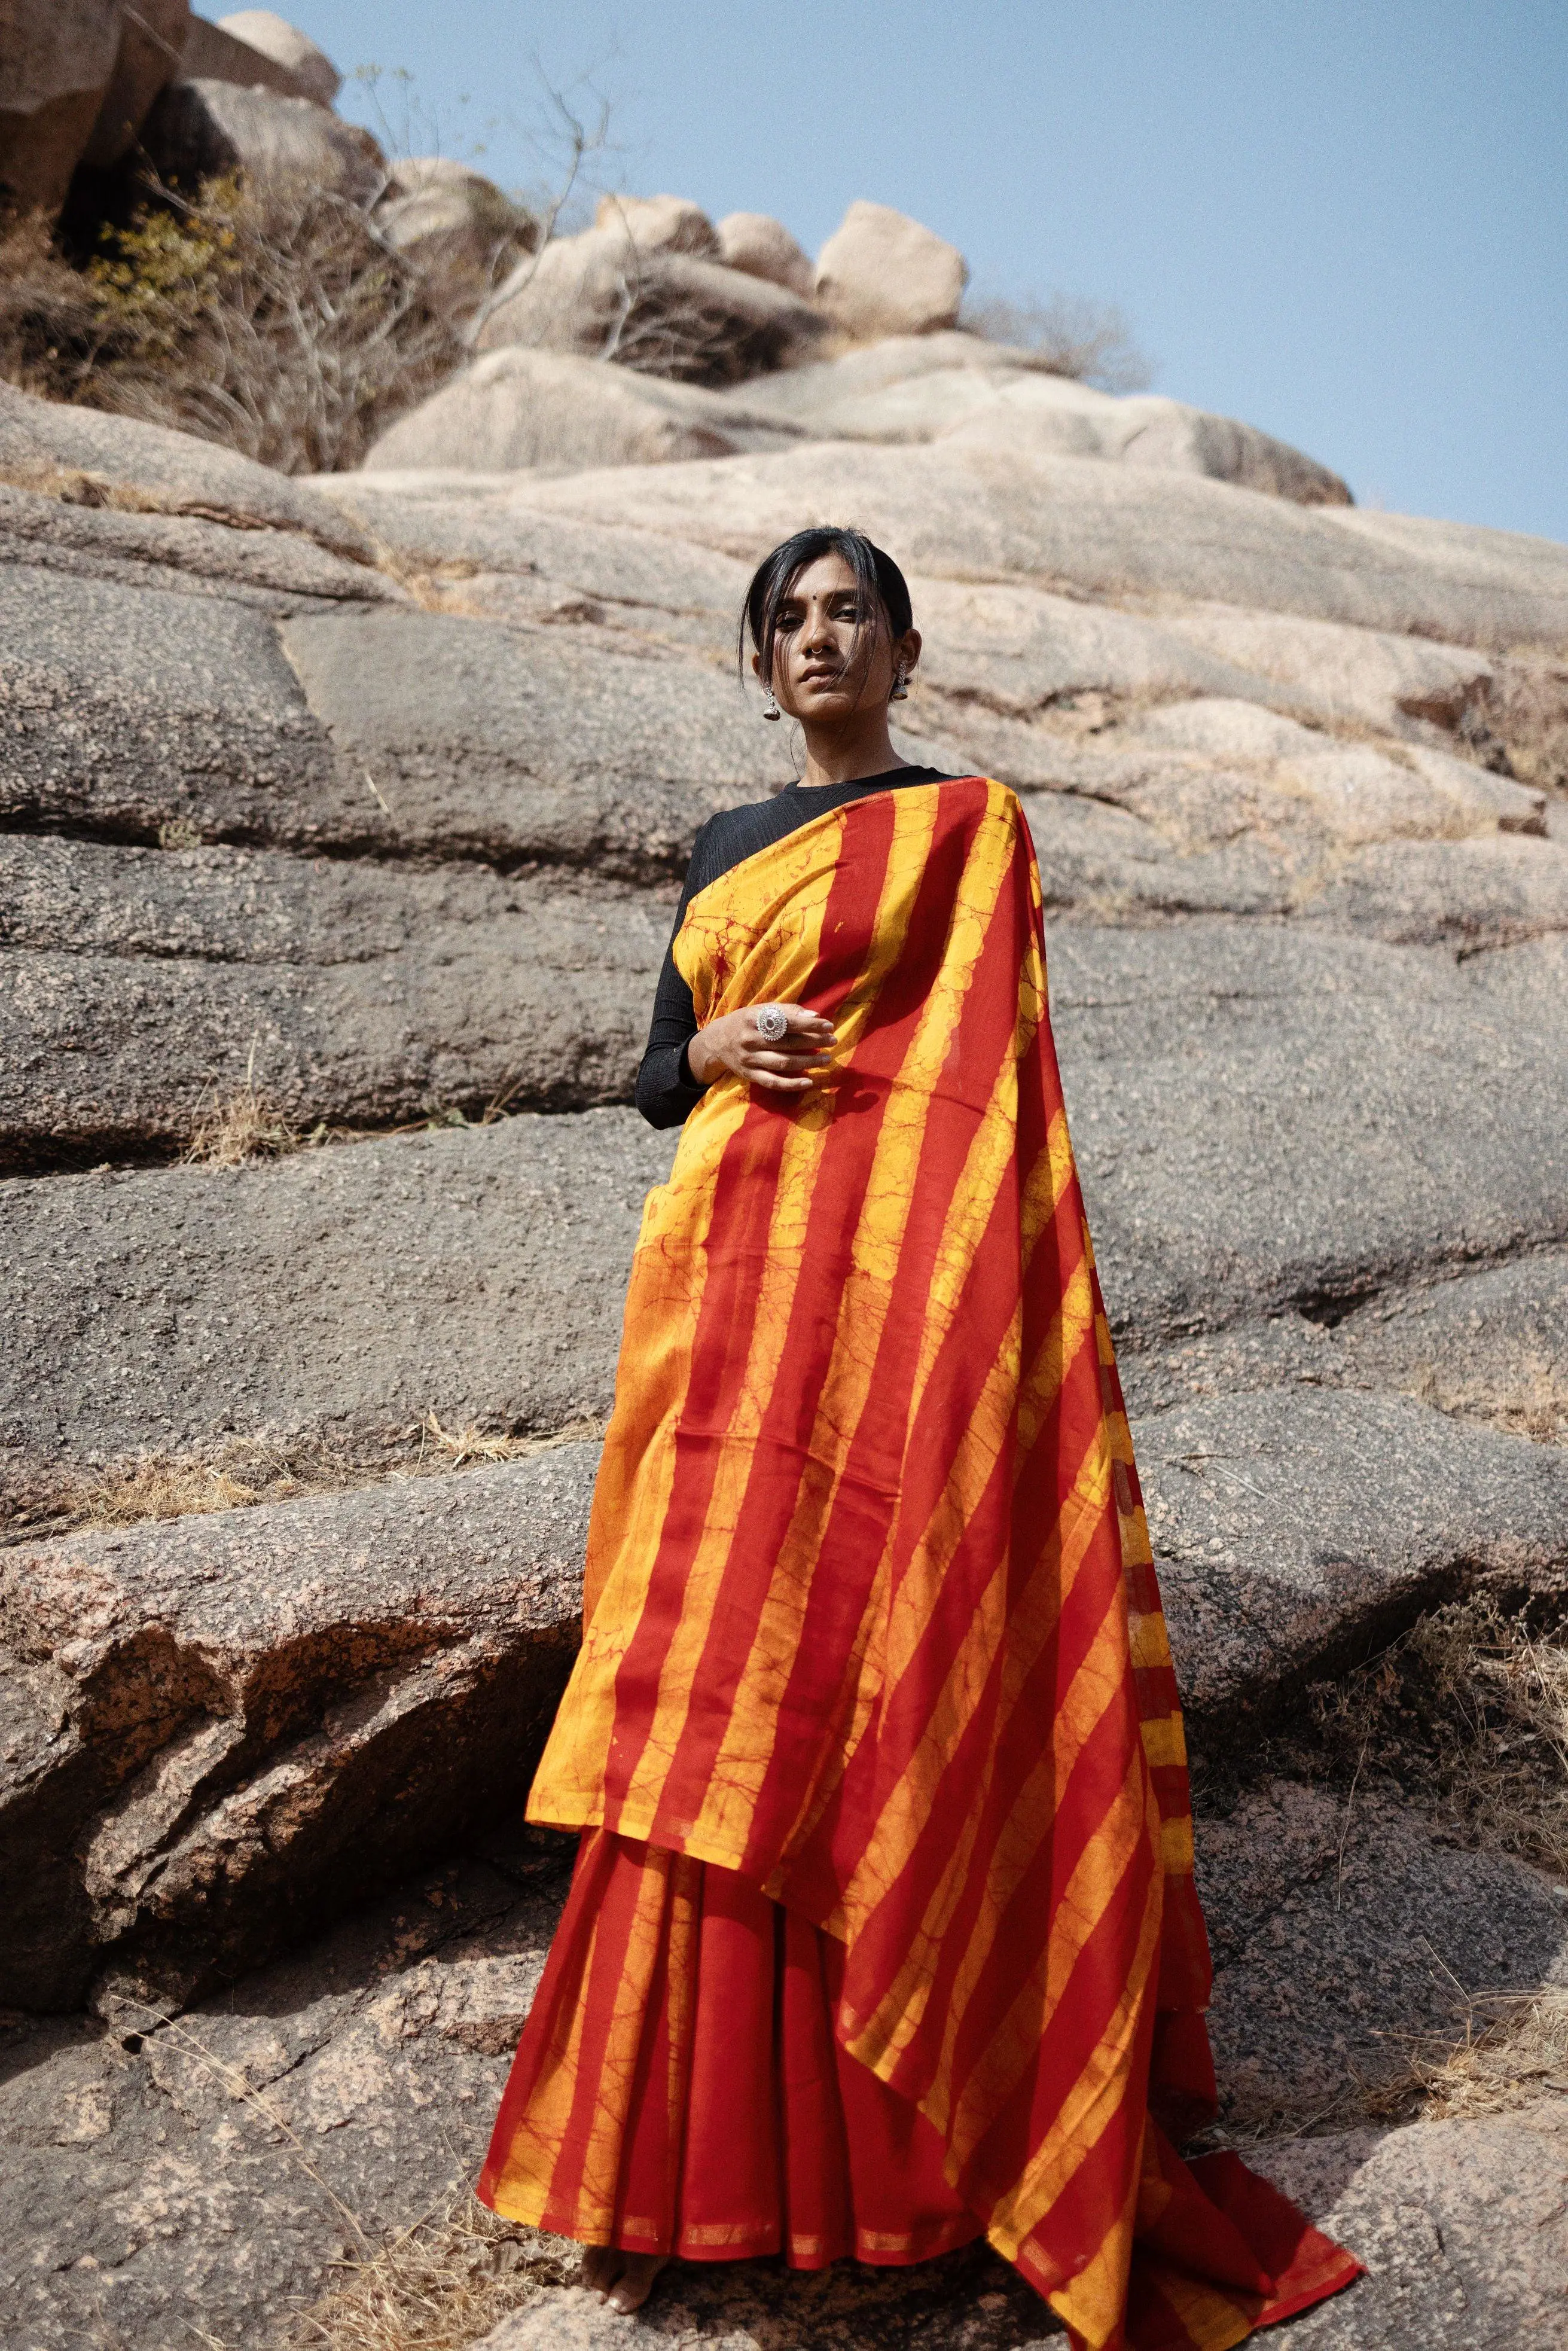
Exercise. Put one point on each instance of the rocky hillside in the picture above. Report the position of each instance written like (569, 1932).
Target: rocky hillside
(340, 823)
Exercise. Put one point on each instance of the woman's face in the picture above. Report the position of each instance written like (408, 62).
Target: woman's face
(825, 668)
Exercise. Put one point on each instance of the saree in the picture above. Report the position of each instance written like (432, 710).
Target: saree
(871, 1617)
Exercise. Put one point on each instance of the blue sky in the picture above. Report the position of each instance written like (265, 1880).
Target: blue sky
(1346, 224)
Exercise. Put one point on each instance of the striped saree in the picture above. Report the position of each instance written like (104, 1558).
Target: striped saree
(871, 1615)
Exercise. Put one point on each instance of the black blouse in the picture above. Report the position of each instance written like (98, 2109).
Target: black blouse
(666, 1093)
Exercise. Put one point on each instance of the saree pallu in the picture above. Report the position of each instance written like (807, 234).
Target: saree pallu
(871, 1617)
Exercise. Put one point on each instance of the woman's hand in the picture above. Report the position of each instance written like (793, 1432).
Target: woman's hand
(734, 1042)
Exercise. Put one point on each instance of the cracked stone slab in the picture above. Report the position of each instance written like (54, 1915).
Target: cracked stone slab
(1485, 1343)
(1295, 1526)
(1463, 2227)
(128, 712)
(137, 986)
(184, 554)
(1491, 1344)
(1348, 1934)
(1108, 531)
(233, 1724)
(154, 469)
(202, 2182)
(342, 1293)
(1266, 1117)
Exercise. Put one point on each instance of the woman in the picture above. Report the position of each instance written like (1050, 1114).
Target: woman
(883, 1934)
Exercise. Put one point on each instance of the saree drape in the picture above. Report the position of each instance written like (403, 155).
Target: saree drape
(870, 1614)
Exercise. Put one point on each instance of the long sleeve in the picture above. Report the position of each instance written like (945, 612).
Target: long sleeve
(665, 1094)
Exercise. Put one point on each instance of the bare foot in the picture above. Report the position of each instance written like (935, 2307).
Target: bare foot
(624, 2280)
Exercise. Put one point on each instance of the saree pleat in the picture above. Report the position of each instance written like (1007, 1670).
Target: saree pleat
(871, 1617)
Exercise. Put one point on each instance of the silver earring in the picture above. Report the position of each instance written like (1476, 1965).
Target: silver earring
(900, 689)
(770, 707)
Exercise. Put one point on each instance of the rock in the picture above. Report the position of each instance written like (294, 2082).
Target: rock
(51, 530)
(1267, 1118)
(518, 408)
(1397, 685)
(148, 468)
(1045, 416)
(1465, 894)
(152, 42)
(299, 57)
(214, 2174)
(1460, 2224)
(881, 273)
(763, 247)
(457, 737)
(56, 67)
(1295, 1530)
(1491, 1344)
(591, 579)
(660, 224)
(456, 227)
(1322, 1990)
(141, 989)
(968, 2300)
(213, 54)
(234, 1700)
(1357, 793)
(661, 312)
(339, 1295)
(482, 741)
(1108, 531)
(199, 129)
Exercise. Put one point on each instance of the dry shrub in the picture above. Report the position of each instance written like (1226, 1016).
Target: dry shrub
(1468, 1709)
(241, 1127)
(1072, 334)
(273, 319)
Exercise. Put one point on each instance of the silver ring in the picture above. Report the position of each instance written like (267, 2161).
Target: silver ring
(772, 1023)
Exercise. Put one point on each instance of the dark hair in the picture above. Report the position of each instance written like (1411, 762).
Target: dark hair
(877, 578)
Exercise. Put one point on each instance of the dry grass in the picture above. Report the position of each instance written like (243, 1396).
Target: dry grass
(250, 1471)
(1531, 1402)
(240, 1127)
(1469, 1710)
(438, 2287)
(1511, 2051)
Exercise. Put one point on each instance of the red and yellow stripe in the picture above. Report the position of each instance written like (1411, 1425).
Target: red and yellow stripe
(872, 1616)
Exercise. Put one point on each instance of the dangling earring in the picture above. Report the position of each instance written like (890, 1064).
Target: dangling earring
(770, 707)
(900, 689)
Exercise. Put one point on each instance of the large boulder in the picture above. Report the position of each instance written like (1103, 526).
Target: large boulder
(202, 128)
(119, 462)
(1111, 532)
(763, 247)
(151, 42)
(1046, 414)
(660, 224)
(456, 227)
(213, 54)
(223, 1725)
(881, 273)
(169, 2179)
(57, 64)
(457, 737)
(518, 408)
(662, 311)
(331, 1300)
(141, 989)
(271, 37)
